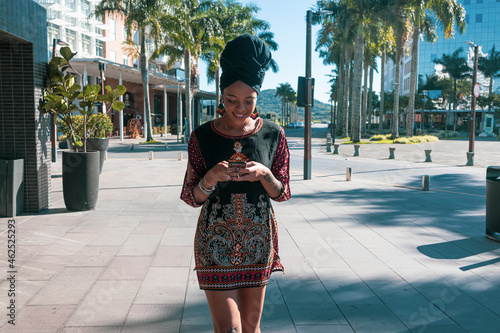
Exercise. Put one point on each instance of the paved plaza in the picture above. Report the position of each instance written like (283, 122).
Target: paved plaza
(375, 254)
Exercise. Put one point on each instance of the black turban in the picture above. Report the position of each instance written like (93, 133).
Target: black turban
(245, 58)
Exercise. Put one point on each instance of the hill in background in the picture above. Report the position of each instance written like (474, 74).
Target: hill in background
(268, 103)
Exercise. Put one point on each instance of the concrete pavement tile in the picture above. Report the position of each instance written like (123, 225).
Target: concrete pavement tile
(196, 329)
(178, 237)
(93, 255)
(177, 256)
(124, 221)
(69, 244)
(153, 227)
(67, 287)
(24, 292)
(161, 216)
(24, 253)
(140, 245)
(107, 304)
(112, 236)
(91, 329)
(196, 312)
(323, 328)
(41, 268)
(178, 220)
(65, 219)
(163, 285)
(126, 268)
(153, 318)
(40, 319)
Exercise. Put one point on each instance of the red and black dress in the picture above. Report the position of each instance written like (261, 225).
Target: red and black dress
(236, 241)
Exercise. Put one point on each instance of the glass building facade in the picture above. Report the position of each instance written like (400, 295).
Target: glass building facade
(482, 17)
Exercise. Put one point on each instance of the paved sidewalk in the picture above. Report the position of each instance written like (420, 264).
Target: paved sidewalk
(372, 255)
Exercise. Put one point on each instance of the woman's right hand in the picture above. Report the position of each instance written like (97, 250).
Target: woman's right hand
(219, 173)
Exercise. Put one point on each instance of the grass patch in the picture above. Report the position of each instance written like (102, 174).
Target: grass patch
(357, 143)
(417, 139)
(149, 142)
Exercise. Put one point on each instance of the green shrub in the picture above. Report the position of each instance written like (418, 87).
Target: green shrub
(103, 127)
(417, 139)
(378, 137)
(447, 134)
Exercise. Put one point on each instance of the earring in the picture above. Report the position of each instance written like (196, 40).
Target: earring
(220, 108)
(254, 114)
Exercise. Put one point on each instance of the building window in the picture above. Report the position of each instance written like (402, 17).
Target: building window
(71, 4)
(71, 39)
(112, 56)
(86, 7)
(52, 32)
(479, 18)
(467, 17)
(466, 2)
(112, 29)
(85, 44)
(99, 48)
(124, 33)
(479, 1)
(98, 31)
(125, 60)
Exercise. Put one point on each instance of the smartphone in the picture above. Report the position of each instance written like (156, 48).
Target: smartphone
(237, 164)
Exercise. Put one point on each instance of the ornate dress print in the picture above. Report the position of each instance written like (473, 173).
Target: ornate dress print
(236, 241)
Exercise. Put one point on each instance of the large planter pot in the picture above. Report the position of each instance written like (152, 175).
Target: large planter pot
(100, 145)
(80, 180)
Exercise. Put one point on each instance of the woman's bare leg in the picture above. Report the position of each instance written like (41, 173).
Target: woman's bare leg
(224, 310)
(250, 304)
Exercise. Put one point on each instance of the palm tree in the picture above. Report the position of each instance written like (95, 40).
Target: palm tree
(455, 65)
(281, 93)
(235, 20)
(187, 29)
(141, 15)
(490, 66)
(447, 12)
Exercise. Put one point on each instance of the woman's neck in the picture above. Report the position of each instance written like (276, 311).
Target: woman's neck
(230, 128)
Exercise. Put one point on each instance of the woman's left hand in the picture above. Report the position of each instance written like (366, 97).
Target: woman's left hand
(253, 172)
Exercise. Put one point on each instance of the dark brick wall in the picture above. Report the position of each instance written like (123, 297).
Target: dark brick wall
(24, 131)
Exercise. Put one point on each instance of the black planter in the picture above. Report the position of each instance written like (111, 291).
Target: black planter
(100, 145)
(80, 180)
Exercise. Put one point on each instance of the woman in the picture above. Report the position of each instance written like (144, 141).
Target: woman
(236, 164)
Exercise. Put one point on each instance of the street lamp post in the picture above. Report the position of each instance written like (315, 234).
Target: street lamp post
(53, 125)
(475, 94)
(308, 95)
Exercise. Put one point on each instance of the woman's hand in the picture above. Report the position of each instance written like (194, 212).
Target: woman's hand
(255, 171)
(219, 173)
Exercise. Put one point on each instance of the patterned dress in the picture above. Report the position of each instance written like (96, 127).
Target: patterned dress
(236, 241)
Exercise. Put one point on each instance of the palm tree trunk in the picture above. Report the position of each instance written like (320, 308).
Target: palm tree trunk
(370, 107)
(395, 113)
(381, 111)
(364, 107)
(356, 85)
(148, 134)
(410, 119)
(340, 92)
(345, 110)
(187, 65)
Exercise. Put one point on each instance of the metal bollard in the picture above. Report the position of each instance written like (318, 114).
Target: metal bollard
(425, 183)
(166, 146)
(131, 146)
(391, 153)
(470, 158)
(348, 173)
(336, 149)
(428, 155)
(150, 155)
(180, 156)
(356, 150)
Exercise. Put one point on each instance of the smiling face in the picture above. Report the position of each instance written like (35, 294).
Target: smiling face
(239, 102)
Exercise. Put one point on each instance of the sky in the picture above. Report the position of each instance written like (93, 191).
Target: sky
(287, 19)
